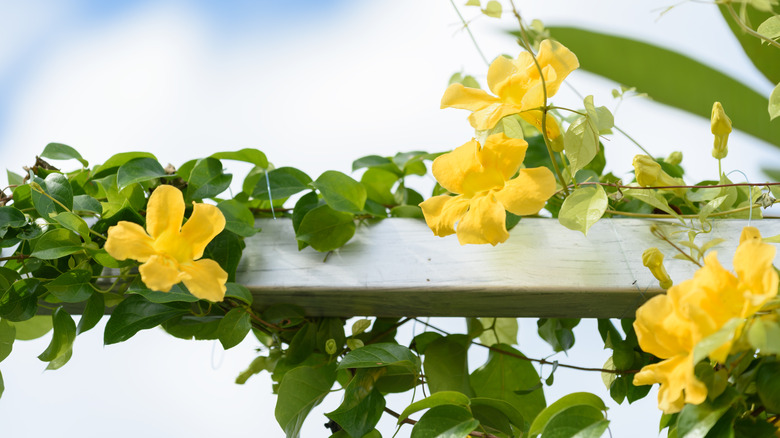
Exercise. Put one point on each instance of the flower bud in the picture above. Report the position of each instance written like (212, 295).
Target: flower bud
(749, 233)
(720, 125)
(649, 174)
(653, 259)
(674, 158)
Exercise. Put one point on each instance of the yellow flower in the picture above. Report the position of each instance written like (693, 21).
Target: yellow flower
(653, 259)
(518, 87)
(669, 326)
(170, 251)
(720, 125)
(482, 176)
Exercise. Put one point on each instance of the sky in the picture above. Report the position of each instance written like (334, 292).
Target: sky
(315, 86)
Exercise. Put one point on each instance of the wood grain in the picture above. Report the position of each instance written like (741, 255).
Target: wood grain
(396, 267)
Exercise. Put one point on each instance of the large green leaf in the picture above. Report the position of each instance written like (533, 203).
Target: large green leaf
(301, 389)
(135, 313)
(499, 331)
(33, 328)
(378, 355)
(207, 179)
(695, 421)
(20, 301)
(341, 192)
(565, 402)
(234, 327)
(671, 78)
(238, 218)
(59, 191)
(508, 378)
(446, 365)
(72, 286)
(7, 336)
(437, 399)
(61, 346)
(326, 229)
(764, 57)
(363, 403)
(445, 421)
(56, 243)
(59, 151)
(247, 155)
(138, 170)
(583, 208)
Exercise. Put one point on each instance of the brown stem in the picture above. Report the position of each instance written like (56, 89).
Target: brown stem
(661, 236)
(15, 257)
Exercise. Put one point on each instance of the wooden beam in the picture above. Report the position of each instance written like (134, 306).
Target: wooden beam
(396, 267)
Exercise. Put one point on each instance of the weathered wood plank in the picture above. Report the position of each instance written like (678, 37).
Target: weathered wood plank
(398, 268)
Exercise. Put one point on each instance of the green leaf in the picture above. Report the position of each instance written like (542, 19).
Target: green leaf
(178, 293)
(774, 102)
(56, 243)
(446, 364)
(86, 203)
(376, 162)
(499, 331)
(770, 28)
(651, 197)
(10, 217)
(502, 375)
(226, 249)
(238, 218)
(326, 229)
(7, 336)
(109, 166)
(300, 391)
(581, 143)
(763, 56)
(695, 421)
(59, 151)
(247, 155)
(207, 179)
(302, 207)
(492, 9)
(565, 402)
(234, 327)
(138, 170)
(377, 355)
(61, 347)
(193, 327)
(363, 404)
(768, 385)
(440, 398)
(557, 332)
(13, 178)
(56, 185)
(576, 421)
(682, 83)
(284, 182)
(92, 314)
(2, 385)
(73, 222)
(583, 208)
(239, 292)
(764, 335)
(341, 192)
(445, 421)
(379, 184)
(408, 211)
(20, 301)
(72, 286)
(512, 414)
(135, 313)
(302, 344)
(33, 328)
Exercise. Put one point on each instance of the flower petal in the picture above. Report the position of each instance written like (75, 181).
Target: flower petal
(499, 71)
(442, 212)
(205, 279)
(488, 117)
(660, 330)
(165, 211)
(451, 168)
(758, 278)
(485, 222)
(472, 99)
(678, 383)
(503, 153)
(127, 240)
(203, 225)
(560, 58)
(535, 118)
(528, 192)
(160, 273)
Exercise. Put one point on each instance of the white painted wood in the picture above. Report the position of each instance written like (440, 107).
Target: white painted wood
(397, 267)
